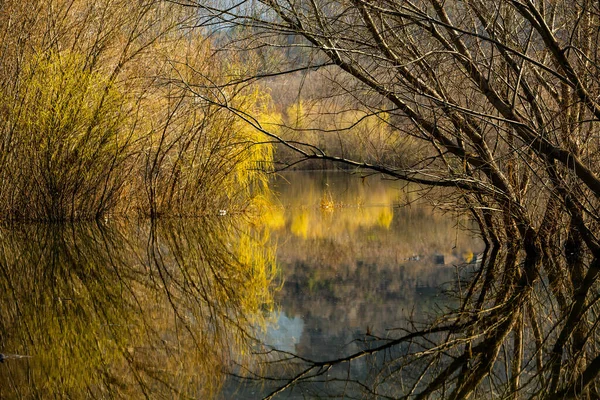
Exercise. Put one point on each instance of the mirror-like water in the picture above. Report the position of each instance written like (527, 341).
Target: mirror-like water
(134, 309)
(359, 256)
(128, 310)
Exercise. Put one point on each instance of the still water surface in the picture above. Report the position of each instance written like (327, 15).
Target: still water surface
(356, 257)
(130, 310)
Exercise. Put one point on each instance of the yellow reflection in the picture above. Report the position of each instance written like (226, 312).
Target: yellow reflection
(300, 223)
(370, 219)
(385, 218)
(325, 207)
(129, 311)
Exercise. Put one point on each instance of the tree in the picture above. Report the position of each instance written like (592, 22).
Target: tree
(504, 99)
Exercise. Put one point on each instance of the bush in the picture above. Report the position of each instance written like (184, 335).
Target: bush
(67, 148)
(105, 119)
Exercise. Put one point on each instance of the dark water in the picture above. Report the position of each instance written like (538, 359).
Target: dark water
(130, 309)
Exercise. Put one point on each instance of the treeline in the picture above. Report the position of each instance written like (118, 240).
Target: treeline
(314, 108)
(95, 119)
(317, 107)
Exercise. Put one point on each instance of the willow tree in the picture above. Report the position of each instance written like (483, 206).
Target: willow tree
(502, 100)
(94, 123)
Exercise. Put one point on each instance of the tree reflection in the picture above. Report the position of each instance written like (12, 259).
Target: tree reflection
(129, 310)
(498, 341)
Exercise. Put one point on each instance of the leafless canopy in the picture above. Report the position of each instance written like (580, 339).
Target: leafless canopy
(504, 100)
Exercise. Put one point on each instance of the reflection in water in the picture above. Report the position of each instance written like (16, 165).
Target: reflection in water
(283, 333)
(370, 261)
(128, 311)
(132, 310)
(328, 204)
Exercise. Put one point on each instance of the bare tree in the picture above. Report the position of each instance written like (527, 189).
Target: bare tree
(504, 99)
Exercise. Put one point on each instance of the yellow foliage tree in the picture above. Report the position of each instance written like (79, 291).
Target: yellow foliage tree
(68, 143)
(105, 118)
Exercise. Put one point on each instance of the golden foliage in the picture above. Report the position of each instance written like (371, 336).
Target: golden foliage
(112, 117)
(67, 141)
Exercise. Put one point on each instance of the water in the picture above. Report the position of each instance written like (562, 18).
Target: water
(356, 258)
(130, 309)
